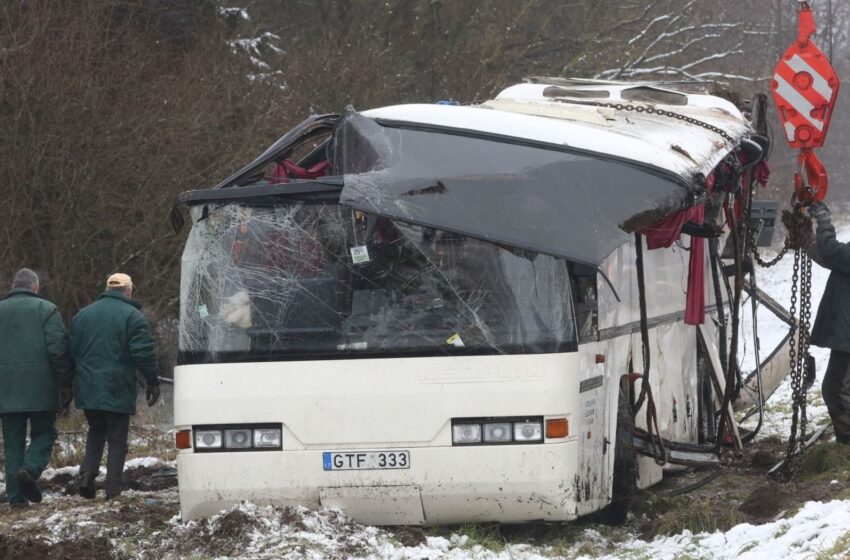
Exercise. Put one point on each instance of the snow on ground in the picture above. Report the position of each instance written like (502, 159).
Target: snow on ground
(52, 474)
(302, 533)
(253, 532)
(812, 531)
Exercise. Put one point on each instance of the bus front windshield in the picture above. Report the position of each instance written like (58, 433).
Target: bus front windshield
(319, 281)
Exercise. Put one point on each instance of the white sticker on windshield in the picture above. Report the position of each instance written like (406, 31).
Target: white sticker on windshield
(203, 311)
(359, 254)
(455, 341)
(353, 346)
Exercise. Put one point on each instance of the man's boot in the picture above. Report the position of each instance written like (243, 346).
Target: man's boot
(87, 489)
(28, 486)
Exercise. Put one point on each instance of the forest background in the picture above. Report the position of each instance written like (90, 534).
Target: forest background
(111, 108)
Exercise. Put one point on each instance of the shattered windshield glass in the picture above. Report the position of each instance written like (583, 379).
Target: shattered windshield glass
(319, 280)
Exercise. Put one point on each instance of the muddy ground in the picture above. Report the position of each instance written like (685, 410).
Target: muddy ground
(143, 523)
(742, 492)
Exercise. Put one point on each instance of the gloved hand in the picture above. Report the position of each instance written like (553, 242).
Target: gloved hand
(66, 395)
(819, 211)
(152, 394)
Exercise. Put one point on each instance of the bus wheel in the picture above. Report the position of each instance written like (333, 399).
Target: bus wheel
(624, 467)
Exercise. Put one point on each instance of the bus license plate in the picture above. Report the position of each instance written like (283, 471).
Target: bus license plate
(365, 460)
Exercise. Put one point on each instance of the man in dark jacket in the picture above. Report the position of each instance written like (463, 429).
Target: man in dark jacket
(110, 341)
(35, 367)
(832, 324)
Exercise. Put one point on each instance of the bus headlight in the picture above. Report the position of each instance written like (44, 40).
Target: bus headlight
(466, 433)
(237, 439)
(497, 432)
(221, 438)
(267, 437)
(528, 431)
(208, 439)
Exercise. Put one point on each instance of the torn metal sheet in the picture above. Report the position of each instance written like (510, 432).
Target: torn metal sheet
(279, 149)
(535, 196)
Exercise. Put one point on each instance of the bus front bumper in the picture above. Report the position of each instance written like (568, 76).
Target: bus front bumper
(505, 483)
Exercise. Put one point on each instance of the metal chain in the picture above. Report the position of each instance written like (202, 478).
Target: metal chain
(775, 260)
(795, 370)
(805, 320)
(650, 110)
(799, 236)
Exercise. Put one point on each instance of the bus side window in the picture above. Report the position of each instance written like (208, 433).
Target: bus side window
(584, 300)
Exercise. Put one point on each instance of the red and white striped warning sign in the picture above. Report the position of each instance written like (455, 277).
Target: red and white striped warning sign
(805, 88)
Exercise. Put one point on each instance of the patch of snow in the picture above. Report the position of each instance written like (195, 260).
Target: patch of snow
(50, 474)
(253, 46)
(814, 529)
(259, 63)
(240, 13)
(143, 462)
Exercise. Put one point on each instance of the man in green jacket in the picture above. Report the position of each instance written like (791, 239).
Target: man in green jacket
(110, 341)
(35, 367)
(832, 324)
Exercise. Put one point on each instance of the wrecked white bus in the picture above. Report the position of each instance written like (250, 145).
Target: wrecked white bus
(430, 314)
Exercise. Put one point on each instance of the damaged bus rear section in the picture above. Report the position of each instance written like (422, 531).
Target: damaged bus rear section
(428, 314)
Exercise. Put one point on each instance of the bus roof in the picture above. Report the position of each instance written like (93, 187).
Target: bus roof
(684, 133)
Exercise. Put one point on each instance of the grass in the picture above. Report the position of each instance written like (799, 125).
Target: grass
(635, 554)
(696, 516)
(144, 441)
(749, 546)
(841, 549)
(822, 421)
(563, 548)
(782, 530)
(488, 537)
(780, 407)
(146, 438)
(826, 461)
(555, 540)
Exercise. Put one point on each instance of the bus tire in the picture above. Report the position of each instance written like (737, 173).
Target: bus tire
(625, 467)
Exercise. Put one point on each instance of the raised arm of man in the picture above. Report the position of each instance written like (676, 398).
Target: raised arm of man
(831, 253)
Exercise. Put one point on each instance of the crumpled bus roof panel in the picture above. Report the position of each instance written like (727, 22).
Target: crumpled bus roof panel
(533, 196)
(538, 168)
